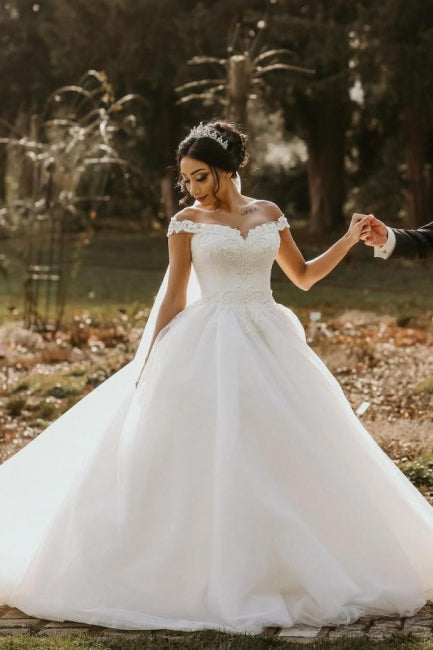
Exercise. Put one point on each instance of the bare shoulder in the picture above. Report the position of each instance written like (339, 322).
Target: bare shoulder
(187, 214)
(270, 209)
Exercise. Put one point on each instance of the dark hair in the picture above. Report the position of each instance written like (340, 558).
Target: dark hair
(213, 153)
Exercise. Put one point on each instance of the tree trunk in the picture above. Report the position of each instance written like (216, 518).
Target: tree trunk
(168, 198)
(417, 193)
(325, 136)
(167, 128)
(238, 88)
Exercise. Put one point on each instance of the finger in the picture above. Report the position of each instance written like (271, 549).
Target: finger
(364, 222)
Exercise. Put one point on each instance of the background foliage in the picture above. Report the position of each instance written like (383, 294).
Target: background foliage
(355, 135)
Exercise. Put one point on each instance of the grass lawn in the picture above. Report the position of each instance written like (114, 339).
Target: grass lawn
(123, 270)
(203, 641)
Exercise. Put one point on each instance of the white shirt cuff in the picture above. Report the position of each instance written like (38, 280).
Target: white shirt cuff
(387, 248)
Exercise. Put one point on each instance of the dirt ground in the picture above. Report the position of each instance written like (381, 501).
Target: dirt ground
(385, 368)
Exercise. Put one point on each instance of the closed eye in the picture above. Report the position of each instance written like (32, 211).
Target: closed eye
(200, 179)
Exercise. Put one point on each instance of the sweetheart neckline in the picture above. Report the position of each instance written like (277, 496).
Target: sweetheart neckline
(233, 228)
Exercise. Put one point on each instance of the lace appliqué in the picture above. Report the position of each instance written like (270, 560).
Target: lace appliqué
(241, 296)
(186, 225)
(234, 268)
(244, 262)
(249, 304)
(282, 222)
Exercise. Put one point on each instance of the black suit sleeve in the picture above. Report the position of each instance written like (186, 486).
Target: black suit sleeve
(414, 243)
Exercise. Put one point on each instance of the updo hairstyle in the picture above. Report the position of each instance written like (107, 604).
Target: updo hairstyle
(211, 152)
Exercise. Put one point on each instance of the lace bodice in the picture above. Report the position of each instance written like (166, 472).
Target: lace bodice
(230, 267)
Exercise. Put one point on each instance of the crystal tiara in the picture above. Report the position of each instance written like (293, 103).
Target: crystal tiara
(202, 131)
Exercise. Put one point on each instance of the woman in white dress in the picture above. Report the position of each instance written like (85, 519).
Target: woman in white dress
(220, 479)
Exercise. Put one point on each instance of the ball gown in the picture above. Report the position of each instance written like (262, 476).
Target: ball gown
(232, 487)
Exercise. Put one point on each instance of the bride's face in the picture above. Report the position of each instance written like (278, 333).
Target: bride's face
(201, 181)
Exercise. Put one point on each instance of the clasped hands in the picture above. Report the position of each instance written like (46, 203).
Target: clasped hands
(373, 231)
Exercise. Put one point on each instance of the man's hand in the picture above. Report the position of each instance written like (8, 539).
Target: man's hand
(374, 232)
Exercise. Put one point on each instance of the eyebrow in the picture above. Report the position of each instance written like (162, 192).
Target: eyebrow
(202, 169)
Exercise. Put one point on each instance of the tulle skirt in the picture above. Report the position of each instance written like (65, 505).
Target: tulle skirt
(233, 489)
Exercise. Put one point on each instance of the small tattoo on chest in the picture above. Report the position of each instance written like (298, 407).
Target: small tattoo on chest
(248, 211)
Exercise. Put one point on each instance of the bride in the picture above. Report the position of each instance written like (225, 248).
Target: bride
(220, 479)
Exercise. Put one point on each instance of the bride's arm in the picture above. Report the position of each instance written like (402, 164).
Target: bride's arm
(174, 300)
(304, 274)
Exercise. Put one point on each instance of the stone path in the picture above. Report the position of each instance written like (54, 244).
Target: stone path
(13, 621)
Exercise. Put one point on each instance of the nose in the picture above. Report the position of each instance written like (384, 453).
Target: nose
(193, 189)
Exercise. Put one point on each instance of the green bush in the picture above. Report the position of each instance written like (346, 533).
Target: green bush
(21, 386)
(419, 471)
(60, 391)
(44, 410)
(425, 386)
(15, 405)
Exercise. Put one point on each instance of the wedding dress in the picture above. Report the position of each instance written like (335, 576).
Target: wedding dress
(233, 488)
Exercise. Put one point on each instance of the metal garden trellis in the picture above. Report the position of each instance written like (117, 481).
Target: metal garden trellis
(71, 143)
(45, 265)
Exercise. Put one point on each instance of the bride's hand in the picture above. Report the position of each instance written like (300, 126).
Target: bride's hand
(358, 226)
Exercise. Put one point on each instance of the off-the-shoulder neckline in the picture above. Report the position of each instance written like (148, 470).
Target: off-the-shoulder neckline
(233, 228)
